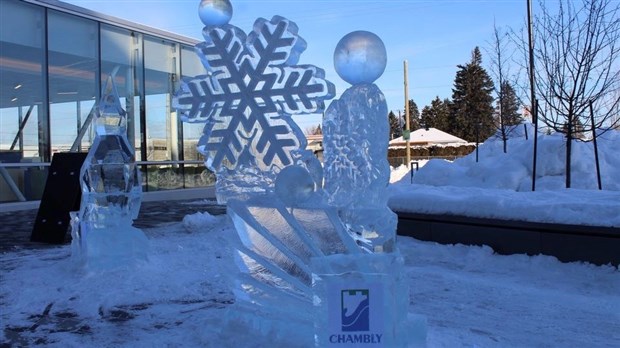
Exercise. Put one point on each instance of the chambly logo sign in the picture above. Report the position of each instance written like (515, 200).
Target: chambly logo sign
(355, 314)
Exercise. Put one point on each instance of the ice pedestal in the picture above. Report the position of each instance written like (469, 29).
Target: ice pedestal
(109, 247)
(363, 300)
(355, 138)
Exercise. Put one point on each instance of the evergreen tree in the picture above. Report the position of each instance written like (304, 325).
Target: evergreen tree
(509, 107)
(437, 115)
(472, 102)
(396, 127)
(318, 130)
(414, 116)
(314, 130)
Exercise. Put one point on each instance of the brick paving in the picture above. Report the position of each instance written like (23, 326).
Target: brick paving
(16, 226)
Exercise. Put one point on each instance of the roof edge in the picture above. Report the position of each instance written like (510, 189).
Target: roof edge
(100, 17)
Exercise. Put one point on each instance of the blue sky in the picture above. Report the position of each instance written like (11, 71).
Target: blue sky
(433, 35)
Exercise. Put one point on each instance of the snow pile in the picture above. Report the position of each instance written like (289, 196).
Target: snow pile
(198, 221)
(513, 170)
(499, 185)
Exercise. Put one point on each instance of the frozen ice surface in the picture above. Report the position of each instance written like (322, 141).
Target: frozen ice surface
(111, 192)
(355, 139)
(277, 244)
(246, 102)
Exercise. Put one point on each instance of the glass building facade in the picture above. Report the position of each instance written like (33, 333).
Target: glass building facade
(54, 58)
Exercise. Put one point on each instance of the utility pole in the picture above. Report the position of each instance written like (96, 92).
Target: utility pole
(406, 134)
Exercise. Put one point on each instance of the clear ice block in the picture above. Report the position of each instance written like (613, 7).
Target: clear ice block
(103, 235)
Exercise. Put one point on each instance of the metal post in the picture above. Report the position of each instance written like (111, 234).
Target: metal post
(406, 66)
(19, 137)
(477, 139)
(598, 166)
(534, 107)
(79, 123)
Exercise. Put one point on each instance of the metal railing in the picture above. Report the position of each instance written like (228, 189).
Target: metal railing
(27, 184)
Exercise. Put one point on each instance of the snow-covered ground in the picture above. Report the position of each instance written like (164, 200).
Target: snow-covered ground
(470, 296)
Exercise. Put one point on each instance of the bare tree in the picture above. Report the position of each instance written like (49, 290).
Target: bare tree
(577, 56)
(501, 51)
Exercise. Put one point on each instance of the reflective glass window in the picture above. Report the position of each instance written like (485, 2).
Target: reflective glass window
(121, 57)
(23, 107)
(162, 124)
(196, 174)
(73, 66)
(23, 103)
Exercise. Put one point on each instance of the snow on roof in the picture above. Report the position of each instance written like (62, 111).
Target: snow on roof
(428, 136)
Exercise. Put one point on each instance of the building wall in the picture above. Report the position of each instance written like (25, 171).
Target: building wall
(54, 58)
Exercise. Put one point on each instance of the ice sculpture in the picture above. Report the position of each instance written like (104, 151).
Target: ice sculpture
(103, 235)
(246, 100)
(297, 258)
(355, 141)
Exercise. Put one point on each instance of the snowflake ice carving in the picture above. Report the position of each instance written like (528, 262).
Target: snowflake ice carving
(252, 88)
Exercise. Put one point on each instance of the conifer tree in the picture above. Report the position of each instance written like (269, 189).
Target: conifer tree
(414, 116)
(472, 102)
(437, 115)
(396, 127)
(509, 105)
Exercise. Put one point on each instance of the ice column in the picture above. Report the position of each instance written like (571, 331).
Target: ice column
(355, 139)
(361, 300)
(103, 235)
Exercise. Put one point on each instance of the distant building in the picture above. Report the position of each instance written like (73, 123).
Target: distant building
(428, 143)
(426, 137)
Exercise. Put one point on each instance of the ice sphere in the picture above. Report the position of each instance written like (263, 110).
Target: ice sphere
(360, 57)
(294, 185)
(246, 103)
(215, 12)
(111, 192)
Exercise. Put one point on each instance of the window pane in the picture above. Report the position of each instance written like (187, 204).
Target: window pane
(161, 131)
(23, 125)
(73, 79)
(190, 68)
(121, 56)
(162, 124)
(196, 174)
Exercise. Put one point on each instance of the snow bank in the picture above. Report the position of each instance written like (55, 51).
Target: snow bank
(499, 184)
(513, 170)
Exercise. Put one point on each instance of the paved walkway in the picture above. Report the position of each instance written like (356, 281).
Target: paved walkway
(16, 226)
